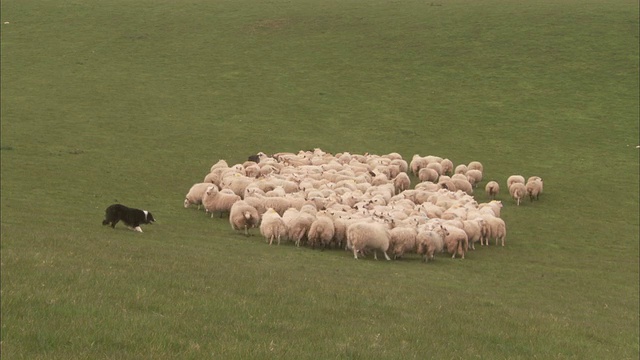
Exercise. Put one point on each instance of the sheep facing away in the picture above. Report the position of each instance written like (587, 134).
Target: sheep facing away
(321, 231)
(272, 226)
(534, 188)
(368, 235)
(517, 191)
(243, 216)
(492, 189)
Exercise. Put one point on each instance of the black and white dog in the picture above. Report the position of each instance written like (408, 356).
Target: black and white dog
(129, 216)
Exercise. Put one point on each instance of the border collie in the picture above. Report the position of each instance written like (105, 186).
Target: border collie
(129, 216)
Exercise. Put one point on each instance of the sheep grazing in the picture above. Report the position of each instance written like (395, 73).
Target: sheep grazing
(492, 189)
(221, 201)
(272, 226)
(243, 216)
(534, 187)
(518, 191)
(430, 242)
(195, 194)
(447, 167)
(368, 235)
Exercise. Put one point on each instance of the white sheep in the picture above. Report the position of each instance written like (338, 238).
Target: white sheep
(475, 165)
(401, 182)
(321, 231)
(518, 191)
(427, 174)
(492, 189)
(403, 240)
(435, 166)
(463, 185)
(243, 216)
(215, 200)
(461, 169)
(195, 194)
(534, 187)
(474, 176)
(368, 235)
(430, 241)
(495, 228)
(447, 167)
(298, 226)
(236, 182)
(272, 226)
(514, 179)
(457, 241)
(473, 228)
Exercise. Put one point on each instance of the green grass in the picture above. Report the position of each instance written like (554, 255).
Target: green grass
(155, 92)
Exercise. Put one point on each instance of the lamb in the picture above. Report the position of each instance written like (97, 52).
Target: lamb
(534, 188)
(514, 179)
(195, 194)
(518, 191)
(243, 216)
(492, 189)
(215, 200)
(430, 241)
(321, 231)
(368, 235)
(272, 226)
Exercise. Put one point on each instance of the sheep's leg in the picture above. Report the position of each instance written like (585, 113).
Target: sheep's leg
(355, 253)
(375, 255)
(386, 256)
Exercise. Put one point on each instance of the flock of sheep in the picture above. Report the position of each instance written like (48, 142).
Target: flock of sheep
(363, 203)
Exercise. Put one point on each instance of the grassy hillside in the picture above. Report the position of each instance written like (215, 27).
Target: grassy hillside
(133, 101)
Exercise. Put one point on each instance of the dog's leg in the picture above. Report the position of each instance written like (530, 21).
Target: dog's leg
(138, 229)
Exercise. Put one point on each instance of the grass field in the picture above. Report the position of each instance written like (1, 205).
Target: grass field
(133, 101)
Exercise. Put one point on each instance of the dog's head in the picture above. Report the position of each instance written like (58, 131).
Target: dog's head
(148, 217)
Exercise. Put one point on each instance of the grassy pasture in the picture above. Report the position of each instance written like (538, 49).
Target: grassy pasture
(134, 100)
